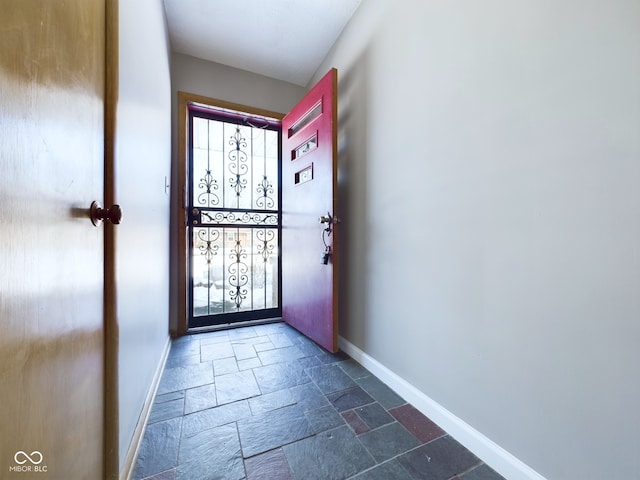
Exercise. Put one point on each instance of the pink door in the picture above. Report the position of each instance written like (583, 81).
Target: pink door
(309, 189)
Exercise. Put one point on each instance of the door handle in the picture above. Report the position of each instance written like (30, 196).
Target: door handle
(329, 220)
(98, 214)
(326, 218)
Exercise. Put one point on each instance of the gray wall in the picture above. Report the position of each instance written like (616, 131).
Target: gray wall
(143, 146)
(489, 163)
(200, 77)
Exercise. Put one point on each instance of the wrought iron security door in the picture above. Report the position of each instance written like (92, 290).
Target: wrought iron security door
(234, 219)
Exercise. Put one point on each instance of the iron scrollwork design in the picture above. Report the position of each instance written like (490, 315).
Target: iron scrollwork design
(266, 246)
(208, 183)
(265, 189)
(231, 217)
(238, 277)
(207, 238)
(236, 236)
(238, 162)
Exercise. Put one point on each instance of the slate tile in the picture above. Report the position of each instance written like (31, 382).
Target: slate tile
(249, 364)
(374, 415)
(309, 397)
(214, 417)
(295, 431)
(330, 378)
(242, 333)
(349, 398)
(440, 459)
(184, 346)
(388, 441)
(188, 376)
(268, 466)
(263, 346)
(413, 420)
(200, 398)
(482, 472)
(279, 355)
(209, 338)
(324, 418)
(236, 386)
(327, 357)
(271, 401)
(166, 410)
(180, 361)
(211, 454)
(355, 422)
(216, 351)
(295, 335)
(253, 341)
(185, 339)
(159, 448)
(381, 392)
(311, 350)
(275, 327)
(308, 362)
(167, 397)
(271, 430)
(223, 366)
(280, 340)
(354, 369)
(166, 475)
(243, 351)
(271, 378)
(332, 455)
(390, 470)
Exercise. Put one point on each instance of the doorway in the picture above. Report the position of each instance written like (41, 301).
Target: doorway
(239, 228)
(233, 216)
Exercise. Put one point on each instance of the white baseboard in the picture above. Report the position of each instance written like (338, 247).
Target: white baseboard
(489, 452)
(136, 441)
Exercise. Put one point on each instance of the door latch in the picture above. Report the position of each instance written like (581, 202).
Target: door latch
(325, 256)
(326, 233)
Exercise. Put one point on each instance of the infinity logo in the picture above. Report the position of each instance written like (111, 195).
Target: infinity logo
(35, 457)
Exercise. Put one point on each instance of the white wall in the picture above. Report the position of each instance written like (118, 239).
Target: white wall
(200, 77)
(489, 163)
(143, 148)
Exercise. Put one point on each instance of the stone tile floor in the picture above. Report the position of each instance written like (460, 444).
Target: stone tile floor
(264, 402)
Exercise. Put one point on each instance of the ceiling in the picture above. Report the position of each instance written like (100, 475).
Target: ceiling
(282, 39)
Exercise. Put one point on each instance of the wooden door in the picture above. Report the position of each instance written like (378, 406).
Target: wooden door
(309, 189)
(52, 73)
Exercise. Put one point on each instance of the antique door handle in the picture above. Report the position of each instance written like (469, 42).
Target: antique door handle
(98, 214)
